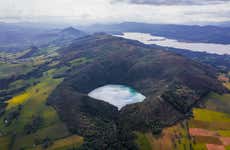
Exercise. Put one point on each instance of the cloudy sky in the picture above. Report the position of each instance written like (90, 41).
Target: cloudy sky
(109, 11)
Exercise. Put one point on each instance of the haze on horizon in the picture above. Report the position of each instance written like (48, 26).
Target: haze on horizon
(113, 11)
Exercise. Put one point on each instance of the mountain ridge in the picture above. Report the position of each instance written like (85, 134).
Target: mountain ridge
(204, 34)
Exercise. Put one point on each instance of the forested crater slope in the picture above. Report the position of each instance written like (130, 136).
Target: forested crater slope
(172, 84)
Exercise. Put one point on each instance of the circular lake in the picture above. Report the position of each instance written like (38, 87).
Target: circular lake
(118, 95)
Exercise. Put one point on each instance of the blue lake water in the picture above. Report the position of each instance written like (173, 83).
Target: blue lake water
(117, 95)
(162, 41)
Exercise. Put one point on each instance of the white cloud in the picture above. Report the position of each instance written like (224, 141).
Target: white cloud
(96, 11)
(172, 2)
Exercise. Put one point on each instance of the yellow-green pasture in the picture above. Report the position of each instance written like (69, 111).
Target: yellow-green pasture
(33, 102)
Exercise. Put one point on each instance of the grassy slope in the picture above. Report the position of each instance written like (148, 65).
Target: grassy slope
(73, 141)
(210, 115)
(227, 85)
(4, 142)
(142, 141)
(9, 69)
(33, 102)
(227, 148)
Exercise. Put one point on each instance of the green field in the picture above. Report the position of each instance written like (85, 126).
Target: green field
(33, 103)
(10, 69)
(210, 116)
(66, 143)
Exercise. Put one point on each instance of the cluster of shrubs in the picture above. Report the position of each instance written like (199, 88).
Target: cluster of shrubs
(34, 125)
(46, 142)
(2, 108)
(156, 127)
(181, 97)
(109, 138)
(12, 116)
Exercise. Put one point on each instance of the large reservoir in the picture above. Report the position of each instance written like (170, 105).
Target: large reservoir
(162, 41)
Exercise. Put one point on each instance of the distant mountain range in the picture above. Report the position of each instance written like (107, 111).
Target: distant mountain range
(15, 37)
(20, 36)
(189, 33)
(223, 24)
